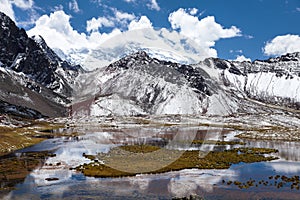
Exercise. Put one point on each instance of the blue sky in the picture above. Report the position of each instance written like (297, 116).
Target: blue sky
(255, 29)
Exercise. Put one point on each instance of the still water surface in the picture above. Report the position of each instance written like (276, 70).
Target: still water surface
(210, 184)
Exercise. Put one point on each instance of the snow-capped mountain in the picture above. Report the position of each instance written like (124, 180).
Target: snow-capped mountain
(34, 58)
(139, 84)
(275, 81)
(36, 82)
(161, 44)
(32, 75)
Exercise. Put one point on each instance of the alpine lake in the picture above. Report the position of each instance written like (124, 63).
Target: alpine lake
(171, 157)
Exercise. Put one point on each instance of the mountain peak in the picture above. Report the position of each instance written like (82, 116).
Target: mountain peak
(13, 40)
(5, 20)
(140, 54)
(285, 58)
(137, 58)
(33, 57)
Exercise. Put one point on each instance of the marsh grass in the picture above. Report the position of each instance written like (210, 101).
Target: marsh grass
(140, 148)
(218, 142)
(14, 138)
(18, 138)
(135, 159)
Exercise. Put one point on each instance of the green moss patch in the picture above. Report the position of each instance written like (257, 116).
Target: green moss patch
(218, 142)
(137, 159)
(140, 148)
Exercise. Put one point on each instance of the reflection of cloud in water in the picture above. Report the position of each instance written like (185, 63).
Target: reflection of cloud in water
(40, 175)
(285, 167)
(69, 155)
(184, 182)
(187, 182)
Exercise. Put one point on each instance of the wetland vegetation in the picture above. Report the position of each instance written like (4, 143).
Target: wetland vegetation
(136, 158)
(14, 169)
(118, 153)
(27, 134)
(276, 181)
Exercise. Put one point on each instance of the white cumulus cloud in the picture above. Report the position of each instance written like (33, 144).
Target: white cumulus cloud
(193, 11)
(204, 32)
(242, 58)
(120, 18)
(282, 44)
(123, 15)
(58, 33)
(143, 22)
(94, 24)
(153, 5)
